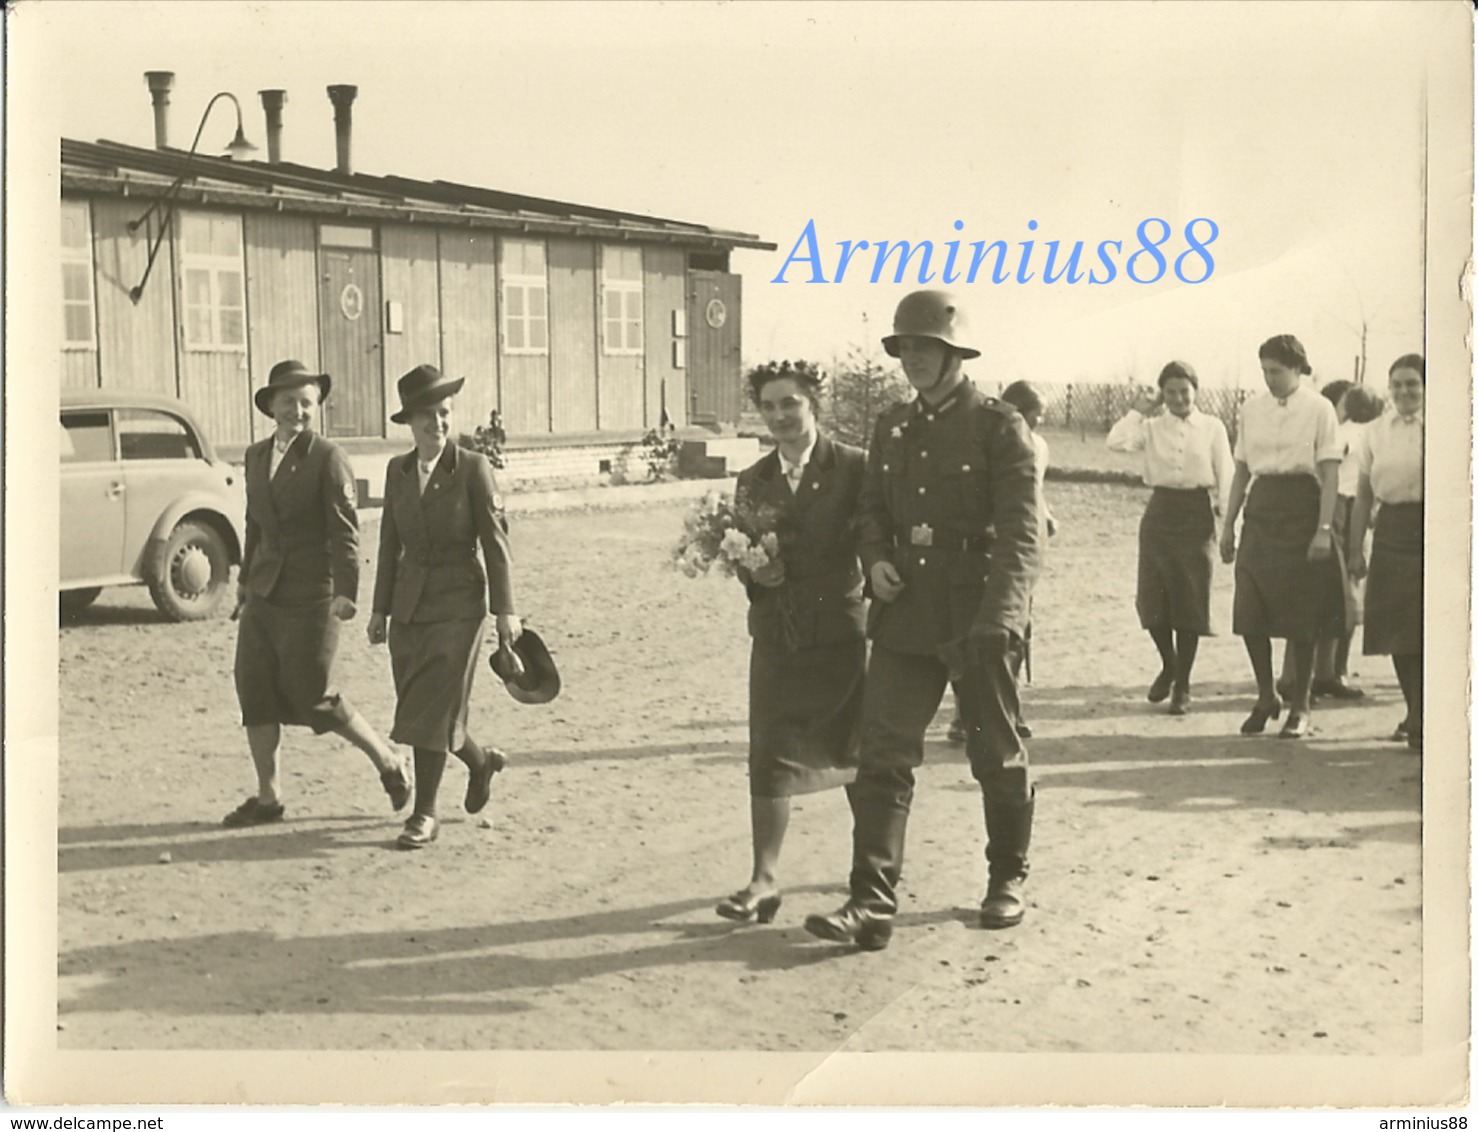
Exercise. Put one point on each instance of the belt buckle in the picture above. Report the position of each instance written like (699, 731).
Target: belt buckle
(922, 535)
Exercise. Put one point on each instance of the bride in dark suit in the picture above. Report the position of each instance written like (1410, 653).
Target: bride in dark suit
(433, 595)
(806, 619)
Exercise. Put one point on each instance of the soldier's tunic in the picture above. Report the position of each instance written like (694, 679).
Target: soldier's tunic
(301, 551)
(950, 498)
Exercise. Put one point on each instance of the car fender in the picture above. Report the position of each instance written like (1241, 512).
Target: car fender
(202, 503)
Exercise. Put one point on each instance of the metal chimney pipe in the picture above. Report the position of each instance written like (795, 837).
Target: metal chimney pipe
(343, 99)
(272, 103)
(160, 83)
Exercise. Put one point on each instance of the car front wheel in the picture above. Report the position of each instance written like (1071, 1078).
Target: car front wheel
(189, 577)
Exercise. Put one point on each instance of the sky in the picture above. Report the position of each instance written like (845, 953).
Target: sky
(1296, 129)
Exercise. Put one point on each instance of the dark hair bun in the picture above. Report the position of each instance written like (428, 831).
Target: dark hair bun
(1286, 350)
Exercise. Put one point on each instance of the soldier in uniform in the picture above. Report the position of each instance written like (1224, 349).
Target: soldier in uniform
(949, 539)
(299, 579)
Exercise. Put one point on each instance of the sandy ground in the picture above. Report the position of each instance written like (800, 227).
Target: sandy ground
(1192, 891)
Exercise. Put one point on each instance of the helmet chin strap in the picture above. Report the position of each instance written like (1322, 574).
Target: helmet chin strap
(949, 357)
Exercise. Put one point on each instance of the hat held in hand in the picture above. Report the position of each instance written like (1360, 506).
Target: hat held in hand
(537, 680)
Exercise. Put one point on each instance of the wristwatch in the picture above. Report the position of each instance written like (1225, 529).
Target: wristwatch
(1327, 527)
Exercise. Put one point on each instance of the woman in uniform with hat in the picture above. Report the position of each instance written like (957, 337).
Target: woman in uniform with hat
(299, 578)
(1188, 467)
(1289, 572)
(433, 594)
(1390, 453)
(807, 622)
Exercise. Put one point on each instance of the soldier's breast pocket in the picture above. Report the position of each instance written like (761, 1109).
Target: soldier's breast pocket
(894, 458)
(967, 489)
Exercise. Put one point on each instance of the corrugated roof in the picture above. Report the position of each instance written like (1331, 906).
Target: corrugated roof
(111, 167)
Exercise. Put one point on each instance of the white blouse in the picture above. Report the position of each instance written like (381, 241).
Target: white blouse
(1349, 466)
(1390, 453)
(1179, 452)
(1283, 436)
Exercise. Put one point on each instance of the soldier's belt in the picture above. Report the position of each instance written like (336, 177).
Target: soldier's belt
(927, 536)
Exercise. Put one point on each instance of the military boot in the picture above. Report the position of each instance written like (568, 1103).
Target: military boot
(1008, 831)
(879, 824)
(851, 923)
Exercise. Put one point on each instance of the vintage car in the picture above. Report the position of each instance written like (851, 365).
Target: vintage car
(144, 499)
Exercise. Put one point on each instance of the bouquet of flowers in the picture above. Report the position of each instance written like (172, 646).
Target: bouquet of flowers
(725, 533)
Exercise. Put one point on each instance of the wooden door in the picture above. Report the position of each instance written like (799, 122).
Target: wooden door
(349, 307)
(715, 393)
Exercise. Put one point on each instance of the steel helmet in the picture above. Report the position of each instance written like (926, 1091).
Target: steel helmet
(931, 314)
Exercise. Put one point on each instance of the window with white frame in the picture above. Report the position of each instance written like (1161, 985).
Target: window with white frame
(523, 270)
(621, 299)
(212, 281)
(78, 325)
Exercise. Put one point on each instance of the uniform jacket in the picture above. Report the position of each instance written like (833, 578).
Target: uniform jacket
(302, 532)
(428, 567)
(966, 469)
(821, 597)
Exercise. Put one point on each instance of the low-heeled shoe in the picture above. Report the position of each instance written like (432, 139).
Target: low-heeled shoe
(397, 785)
(1254, 723)
(1336, 688)
(252, 812)
(420, 831)
(744, 906)
(480, 781)
(1297, 725)
(1160, 689)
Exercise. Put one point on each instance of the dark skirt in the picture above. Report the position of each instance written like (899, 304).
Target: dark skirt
(433, 663)
(284, 661)
(805, 714)
(1175, 560)
(1393, 589)
(1279, 592)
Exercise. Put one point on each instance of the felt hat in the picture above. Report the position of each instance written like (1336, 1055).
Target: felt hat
(424, 385)
(289, 375)
(538, 683)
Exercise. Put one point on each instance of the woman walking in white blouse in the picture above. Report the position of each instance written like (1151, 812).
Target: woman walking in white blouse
(1188, 463)
(1390, 456)
(1289, 577)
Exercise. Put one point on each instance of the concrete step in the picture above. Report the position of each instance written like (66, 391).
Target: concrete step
(717, 457)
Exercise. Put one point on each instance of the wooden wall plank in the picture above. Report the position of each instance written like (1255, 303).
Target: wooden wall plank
(79, 369)
(621, 392)
(572, 335)
(136, 344)
(525, 394)
(408, 268)
(281, 298)
(469, 322)
(664, 291)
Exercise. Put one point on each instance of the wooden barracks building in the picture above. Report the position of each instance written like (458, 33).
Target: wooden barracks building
(583, 326)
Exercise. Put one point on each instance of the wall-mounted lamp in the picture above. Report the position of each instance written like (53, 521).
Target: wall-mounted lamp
(238, 149)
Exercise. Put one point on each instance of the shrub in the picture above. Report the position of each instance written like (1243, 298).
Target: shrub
(659, 449)
(489, 439)
(862, 386)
